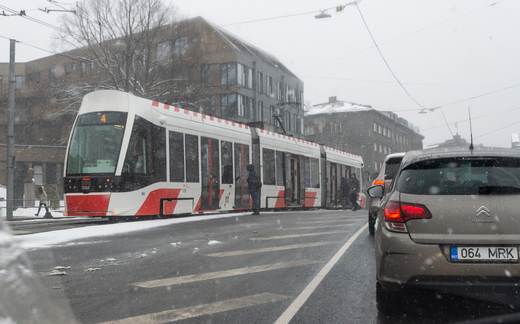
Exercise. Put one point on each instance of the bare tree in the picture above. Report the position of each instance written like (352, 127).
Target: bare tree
(119, 38)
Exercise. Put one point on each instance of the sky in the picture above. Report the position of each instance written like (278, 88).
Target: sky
(442, 51)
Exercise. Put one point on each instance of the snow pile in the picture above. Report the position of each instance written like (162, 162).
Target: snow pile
(336, 107)
(46, 239)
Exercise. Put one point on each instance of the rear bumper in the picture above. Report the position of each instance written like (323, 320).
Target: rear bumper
(403, 263)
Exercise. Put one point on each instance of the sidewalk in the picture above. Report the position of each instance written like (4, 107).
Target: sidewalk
(27, 215)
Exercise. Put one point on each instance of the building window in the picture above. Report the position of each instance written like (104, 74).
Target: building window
(180, 46)
(375, 128)
(164, 50)
(375, 147)
(260, 113)
(228, 105)
(249, 108)
(205, 74)
(20, 81)
(241, 105)
(228, 74)
(260, 82)
(241, 74)
(272, 118)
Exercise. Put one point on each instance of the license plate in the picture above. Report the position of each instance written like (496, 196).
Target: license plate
(484, 254)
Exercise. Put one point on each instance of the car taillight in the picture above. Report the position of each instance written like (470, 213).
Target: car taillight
(398, 213)
(378, 182)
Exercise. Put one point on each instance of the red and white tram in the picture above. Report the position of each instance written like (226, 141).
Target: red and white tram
(129, 156)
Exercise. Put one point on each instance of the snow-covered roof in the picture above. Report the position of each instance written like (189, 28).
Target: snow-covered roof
(335, 107)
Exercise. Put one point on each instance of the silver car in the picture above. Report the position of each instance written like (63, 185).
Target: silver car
(451, 223)
(385, 177)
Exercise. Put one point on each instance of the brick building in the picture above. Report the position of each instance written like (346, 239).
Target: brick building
(233, 79)
(361, 130)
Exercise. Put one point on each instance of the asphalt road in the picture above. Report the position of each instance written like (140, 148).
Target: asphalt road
(249, 269)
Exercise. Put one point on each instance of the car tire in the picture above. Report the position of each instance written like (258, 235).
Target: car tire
(371, 224)
(388, 301)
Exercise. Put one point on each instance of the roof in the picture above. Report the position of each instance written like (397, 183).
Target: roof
(450, 152)
(395, 155)
(336, 107)
(244, 46)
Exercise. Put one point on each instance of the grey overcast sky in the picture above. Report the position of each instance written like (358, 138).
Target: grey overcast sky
(442, 50)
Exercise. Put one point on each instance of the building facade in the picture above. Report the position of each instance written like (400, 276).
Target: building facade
(217, 74)
(361, 130)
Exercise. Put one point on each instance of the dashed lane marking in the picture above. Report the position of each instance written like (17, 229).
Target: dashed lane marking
(327, 221)
(172, 281)
(202, 310)
(281, 237)
(299, 301)
(269, 249)
(313, 227)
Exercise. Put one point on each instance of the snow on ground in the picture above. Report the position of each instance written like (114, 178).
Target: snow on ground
(48, 239)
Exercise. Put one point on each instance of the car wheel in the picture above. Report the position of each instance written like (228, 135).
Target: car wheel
(388, 301)
(371, 224)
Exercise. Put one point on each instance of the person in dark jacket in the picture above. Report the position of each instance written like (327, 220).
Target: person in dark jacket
(345, 193)
(354, 191)
(254, 185)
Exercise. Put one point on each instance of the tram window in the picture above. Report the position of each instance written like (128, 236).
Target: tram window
(315, 173)
(176, 157)
(146, 153)
(192, 158)
(307, 172)
(279, 168)
(268, 166)
(227, 162)
(158, 153)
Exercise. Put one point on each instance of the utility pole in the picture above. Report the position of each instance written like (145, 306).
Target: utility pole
(10, 131)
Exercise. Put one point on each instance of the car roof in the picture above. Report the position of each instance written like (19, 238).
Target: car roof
(394, 155)
(439, 153)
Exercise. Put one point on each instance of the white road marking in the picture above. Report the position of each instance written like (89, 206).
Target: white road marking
(202, 310)
(221, 274)
(298, 302)
(281, 237)
(313, 227)
(269, 249)
(326, 221)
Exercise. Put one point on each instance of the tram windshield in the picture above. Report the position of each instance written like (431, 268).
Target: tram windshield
(96, 142)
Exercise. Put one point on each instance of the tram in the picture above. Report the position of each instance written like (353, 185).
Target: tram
(129, 156)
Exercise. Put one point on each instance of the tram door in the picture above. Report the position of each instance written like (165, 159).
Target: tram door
(294, 181)
(333, 184)
(210, 171)
(241, 153)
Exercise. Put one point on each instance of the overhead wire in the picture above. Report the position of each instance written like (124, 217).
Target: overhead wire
(392, 72)
(71, 56)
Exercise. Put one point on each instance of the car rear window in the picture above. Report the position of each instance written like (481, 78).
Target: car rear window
(461, 176)
(391, 168)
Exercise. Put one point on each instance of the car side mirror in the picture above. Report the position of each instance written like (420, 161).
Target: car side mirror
(376, 192)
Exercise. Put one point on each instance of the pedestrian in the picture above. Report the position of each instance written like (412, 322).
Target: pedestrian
(345, 193)
(254, 185)
(42, 197)
(354, 191)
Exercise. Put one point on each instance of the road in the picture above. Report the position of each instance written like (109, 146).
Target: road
(303, 267)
